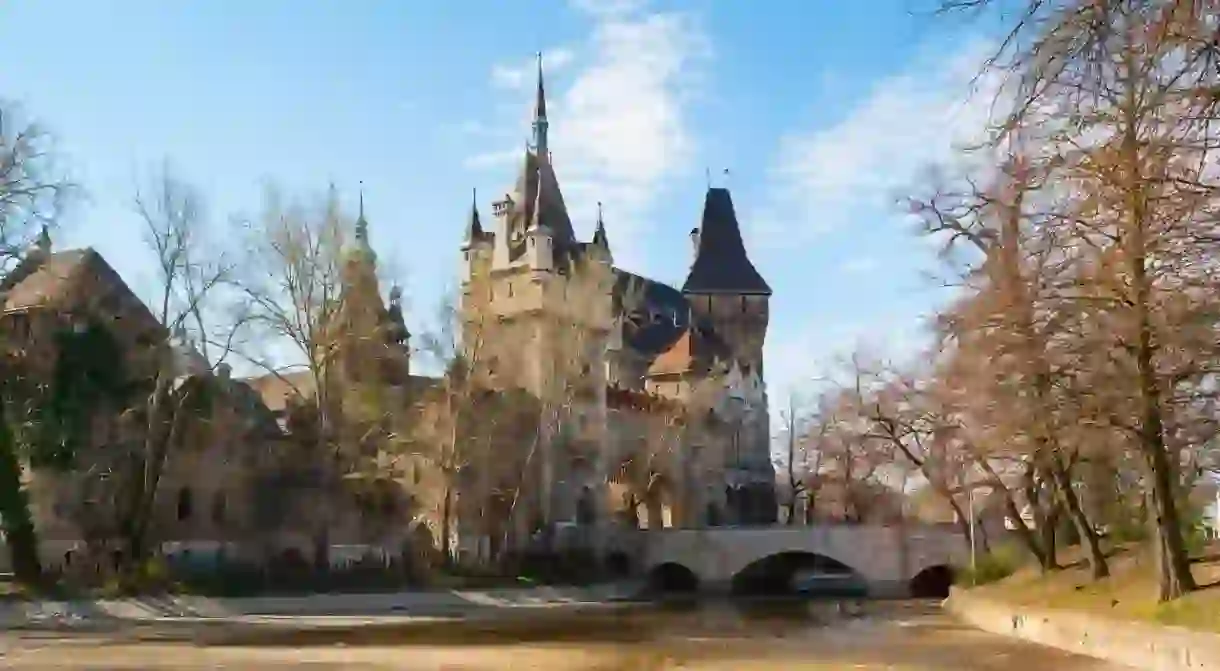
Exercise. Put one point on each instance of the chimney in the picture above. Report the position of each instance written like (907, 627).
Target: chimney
(694, 243)
(224, 371)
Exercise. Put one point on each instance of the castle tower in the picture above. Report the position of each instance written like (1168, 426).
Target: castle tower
(373, 339)
(727, 292)
(544, 320)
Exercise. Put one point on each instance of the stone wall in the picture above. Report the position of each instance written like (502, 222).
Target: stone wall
(1140, 646)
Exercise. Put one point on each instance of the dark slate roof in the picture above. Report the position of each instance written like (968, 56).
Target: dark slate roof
(474, 228)
(537, 186)
(599, 234)
(656, 313)
(721, 264)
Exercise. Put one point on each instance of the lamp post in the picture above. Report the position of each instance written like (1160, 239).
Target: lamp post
(973, 552)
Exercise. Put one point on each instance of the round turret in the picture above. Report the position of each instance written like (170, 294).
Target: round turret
(540, 248)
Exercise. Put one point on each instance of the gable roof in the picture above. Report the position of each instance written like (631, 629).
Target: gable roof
(697, 348)
(64, 280)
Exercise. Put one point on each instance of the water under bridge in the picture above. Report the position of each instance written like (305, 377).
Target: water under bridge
(886, 559)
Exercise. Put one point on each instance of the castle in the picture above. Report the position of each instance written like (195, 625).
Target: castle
(595, 399)
(603, 348)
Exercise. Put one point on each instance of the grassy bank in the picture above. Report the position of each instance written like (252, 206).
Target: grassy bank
(1128, 594)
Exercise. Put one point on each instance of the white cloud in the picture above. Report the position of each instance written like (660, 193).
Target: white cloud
(621, 127)
(618, 116)
(825, 176)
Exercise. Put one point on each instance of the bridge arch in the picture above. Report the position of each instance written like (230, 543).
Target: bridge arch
(782, 573)
(932, 582)
(672, 578)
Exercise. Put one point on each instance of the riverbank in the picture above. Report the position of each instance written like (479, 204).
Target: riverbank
(312, 610)
(1115, 619)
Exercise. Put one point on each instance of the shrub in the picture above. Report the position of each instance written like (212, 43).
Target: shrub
(990, 567)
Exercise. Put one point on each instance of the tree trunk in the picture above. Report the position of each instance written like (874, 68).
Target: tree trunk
(15, 517)
(1098, 566)
(446, 528)
(1044, 520)
(161, 432)
(1175, 576)
(1024, 533)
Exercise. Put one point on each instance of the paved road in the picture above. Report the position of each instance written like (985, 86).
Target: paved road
(908, 636)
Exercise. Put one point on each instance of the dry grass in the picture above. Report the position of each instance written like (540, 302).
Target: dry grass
(1128, 594)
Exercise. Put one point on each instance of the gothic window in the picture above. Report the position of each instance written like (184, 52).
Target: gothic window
(185, 504)
(510, 289)
(218, 508)
(20, 322)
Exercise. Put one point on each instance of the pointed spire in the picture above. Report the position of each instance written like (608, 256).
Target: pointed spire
(540, 122)
(362, 224)
(599, 233)
(474, 229)
(540, 102)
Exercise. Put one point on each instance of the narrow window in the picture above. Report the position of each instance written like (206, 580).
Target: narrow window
(218, 508)
(185, 504)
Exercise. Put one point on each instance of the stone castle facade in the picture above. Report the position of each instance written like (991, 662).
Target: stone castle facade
(611, 355)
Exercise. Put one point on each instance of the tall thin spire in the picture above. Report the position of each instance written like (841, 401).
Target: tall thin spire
(599, 233)
(474, 230)
(362, 224)
(540, 122)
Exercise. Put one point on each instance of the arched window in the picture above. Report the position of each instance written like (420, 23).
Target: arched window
(185, 504)
(218, 508)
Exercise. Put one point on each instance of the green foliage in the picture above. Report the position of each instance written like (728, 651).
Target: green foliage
(1194, 529)
(1128, 530)
(88, 373)
(990, 567)
(149, 577)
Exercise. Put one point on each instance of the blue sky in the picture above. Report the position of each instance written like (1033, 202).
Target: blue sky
(822, 110)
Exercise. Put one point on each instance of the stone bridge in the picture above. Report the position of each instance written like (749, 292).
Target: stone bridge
(888, 559)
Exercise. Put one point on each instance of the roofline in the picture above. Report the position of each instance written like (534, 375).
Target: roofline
(725, 292)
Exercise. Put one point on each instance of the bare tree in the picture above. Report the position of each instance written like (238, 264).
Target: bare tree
(443, 437)
(190, 275)
(1132, 82)
(793, 462)
(32, 194)
(292, 286)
